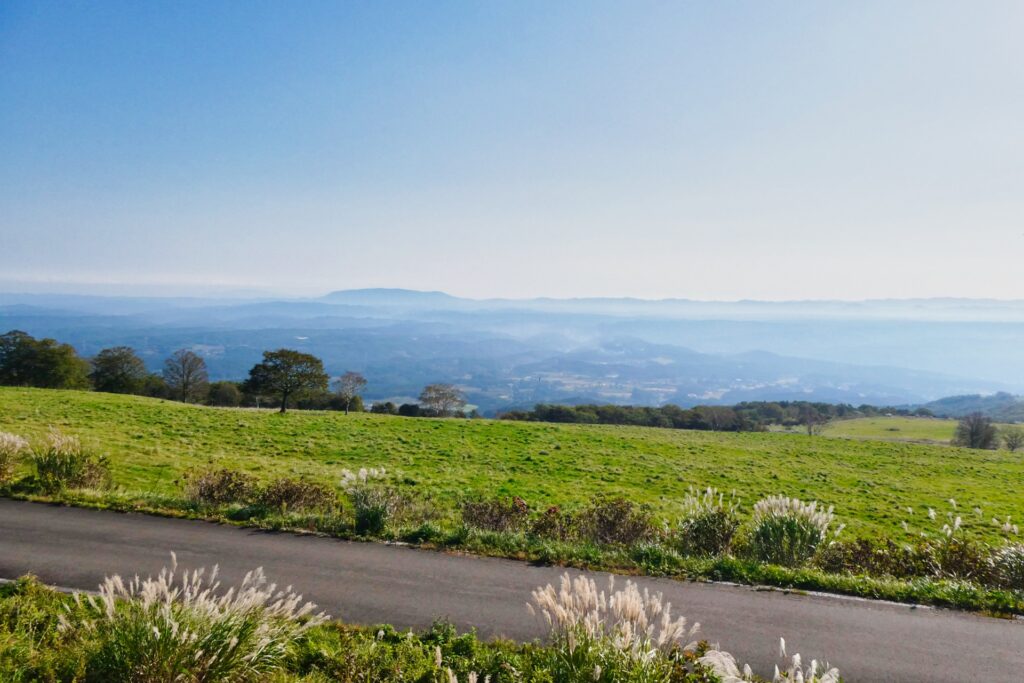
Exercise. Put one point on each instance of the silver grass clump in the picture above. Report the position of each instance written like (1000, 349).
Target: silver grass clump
(12, 447)
(723, 665)
(61, 462)
(1008, 565)
(787, 531)
(638, 624)
(1006, 526)
(708, 523)
(471, 677)
(373, 501)
(350, 479)
(182, 627)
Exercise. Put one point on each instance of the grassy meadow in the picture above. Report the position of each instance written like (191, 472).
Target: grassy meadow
(922, 429)
(151, 442)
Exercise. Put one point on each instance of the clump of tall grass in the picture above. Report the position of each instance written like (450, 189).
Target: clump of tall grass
(723, 665)
(375, 502)
(182, 627)
(949, 553)
(708, 523)
(12, 447)
(1008, 566)
(619, 635)
(61, 462)
(295, 494)
(787, 531)
(219, 486)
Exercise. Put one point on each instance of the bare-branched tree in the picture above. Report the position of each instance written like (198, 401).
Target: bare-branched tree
(185, 373)
(348, 387)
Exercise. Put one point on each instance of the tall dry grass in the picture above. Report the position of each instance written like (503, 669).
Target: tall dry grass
(12, 447)
(787, 531)
(181, 627)
(62, 463)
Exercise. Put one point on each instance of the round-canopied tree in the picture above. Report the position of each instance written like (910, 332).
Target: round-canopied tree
(976, 431)
(29, 362)
(287, 373)
(118, 370)
(442, 399)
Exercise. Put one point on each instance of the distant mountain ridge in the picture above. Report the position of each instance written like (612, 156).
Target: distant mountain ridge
(1001, 406)
(507, 353)
(937, 309)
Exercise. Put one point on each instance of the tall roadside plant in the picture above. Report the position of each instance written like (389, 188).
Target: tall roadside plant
(707, 524)
(787, 531)
(12, 447)
(613, 635)
(62, 463)
(183, 627)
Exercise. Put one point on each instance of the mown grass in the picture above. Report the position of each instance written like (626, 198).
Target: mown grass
(916, 429)
(921, 429)
(151, 443)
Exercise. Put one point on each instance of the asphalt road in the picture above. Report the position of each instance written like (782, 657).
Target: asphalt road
(372, 583)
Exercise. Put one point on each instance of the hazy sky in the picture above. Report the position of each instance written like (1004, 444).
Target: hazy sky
(713, 150)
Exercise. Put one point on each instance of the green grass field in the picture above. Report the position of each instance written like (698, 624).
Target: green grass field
(870, 483)
(925, 429)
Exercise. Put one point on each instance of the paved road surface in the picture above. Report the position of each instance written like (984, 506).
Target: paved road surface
(374, 583)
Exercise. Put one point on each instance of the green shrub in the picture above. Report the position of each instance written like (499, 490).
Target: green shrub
(295, 494)
(554, 524)
(61, 463)
(959, 558)
(496, 514)
(615, 521)
(708, 524)
(12, 447)
(219, 486)
(882, 558)
(787, 531)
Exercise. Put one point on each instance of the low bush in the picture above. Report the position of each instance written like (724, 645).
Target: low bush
(863, 556)
(12, 447)
(1007, 566)
(787, 531)
(295, 494)
(219, 486)
(959, 558)
(62, 463)
(708, 524)
(615, 521)
(496, 514)
(555, 524)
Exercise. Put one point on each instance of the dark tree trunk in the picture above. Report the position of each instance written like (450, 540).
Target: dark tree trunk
(284, 402)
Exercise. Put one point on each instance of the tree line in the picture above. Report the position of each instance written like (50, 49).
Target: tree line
(749, 416)
(283, 378)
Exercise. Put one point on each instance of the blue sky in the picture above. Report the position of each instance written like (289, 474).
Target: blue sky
(702, 150)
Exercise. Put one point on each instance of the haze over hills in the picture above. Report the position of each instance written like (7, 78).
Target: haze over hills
(507, 353)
